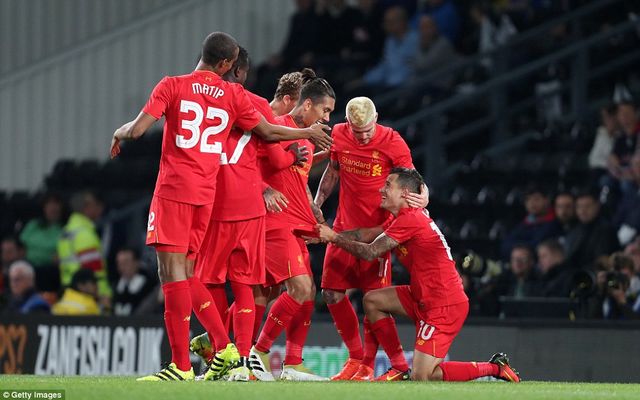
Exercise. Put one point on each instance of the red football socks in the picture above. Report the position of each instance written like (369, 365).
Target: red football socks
(370, 345)
(177, 313)
(346, 322)
(219, 296)
(280, 315)
(456, 371)
(387, 335)
(227, 318)
(297, 332)
(208, 314)
(257, 323)
(243, 314)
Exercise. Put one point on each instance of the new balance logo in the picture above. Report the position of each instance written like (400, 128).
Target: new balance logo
(245, 311)
(187, 318)
(204, 305)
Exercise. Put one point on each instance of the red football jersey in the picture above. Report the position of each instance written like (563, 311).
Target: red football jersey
(363, 171)
(200, 109)
(239, 188)
(292, 182)
(425, 253)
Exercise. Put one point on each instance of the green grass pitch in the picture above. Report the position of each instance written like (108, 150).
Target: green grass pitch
(124, 388)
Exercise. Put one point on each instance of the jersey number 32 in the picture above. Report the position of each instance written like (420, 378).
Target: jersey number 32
(193, 126)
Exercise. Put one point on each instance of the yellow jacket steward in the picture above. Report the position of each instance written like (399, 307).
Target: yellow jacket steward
(75, 303)
(79, 247)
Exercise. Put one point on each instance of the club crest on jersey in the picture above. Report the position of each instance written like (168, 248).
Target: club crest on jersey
(402, 250)
(376, 170)
(375, 154)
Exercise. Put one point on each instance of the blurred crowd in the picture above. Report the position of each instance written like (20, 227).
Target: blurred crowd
(577, 253)
(582, 246)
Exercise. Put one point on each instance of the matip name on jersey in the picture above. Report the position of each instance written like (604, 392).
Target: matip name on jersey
(213, 91)
(98, 350)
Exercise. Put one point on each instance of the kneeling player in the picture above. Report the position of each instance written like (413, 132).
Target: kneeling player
(434, 299)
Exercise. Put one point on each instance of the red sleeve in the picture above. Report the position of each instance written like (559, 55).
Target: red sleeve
(263, 107)
(402, 154)
(278, 157)
(247, 117)
(401, 228)
(160, 99)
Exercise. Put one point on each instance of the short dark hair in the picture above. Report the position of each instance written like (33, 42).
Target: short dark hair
(15, 239)
(408, 179)
(134, 251)
(243, 59)
(553, 245)
(629, 103)
(218, 46)
(314, 87)
(534, 188)
(83, 275)
(588, 192)
(526, 247)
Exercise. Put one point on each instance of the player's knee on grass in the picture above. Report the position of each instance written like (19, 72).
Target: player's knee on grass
(424, 376)
(332, 296)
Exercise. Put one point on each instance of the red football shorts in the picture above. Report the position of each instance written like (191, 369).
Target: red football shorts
(435, 327)
(342, 271)
(286, 256)
(176, 227)
(234, 251)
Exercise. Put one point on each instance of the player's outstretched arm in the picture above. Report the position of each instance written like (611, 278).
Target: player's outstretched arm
(328, 181)
(131, 130)
(317, 133)
(364, 235)
(381, 245)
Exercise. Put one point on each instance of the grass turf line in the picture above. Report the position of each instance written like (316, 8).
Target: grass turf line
(120, 388)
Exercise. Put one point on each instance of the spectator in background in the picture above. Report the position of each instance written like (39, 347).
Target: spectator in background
(400, 48)
(24, 299)
(368, 36)
(603, 143)
(622, 263)
(625, 144)
(564, 206)
(133, 286)
(627, 216)
(538, 225)
(556, 275)
(338, 21)
(592, 237)
(299, 50)
(435, 52)
(632, 250)
(40, 237)
(11, 250)
(521, 280)
(79, 246)
(80, 298)
(445, 16)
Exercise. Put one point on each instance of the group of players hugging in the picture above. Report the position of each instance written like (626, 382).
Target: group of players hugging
(232, 204)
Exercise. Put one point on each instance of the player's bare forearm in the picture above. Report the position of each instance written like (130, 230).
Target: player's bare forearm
(317, 212)
(320, 156)
(369, 252)
(365, 235)
(136, 128)
(328, 182)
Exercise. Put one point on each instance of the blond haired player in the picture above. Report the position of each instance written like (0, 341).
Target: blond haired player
(362, 154)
